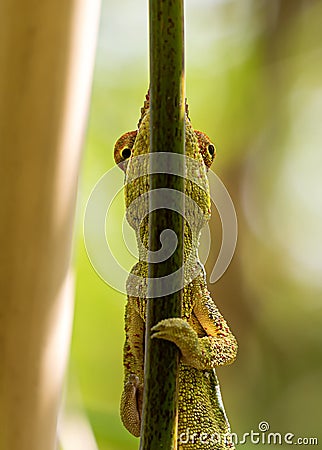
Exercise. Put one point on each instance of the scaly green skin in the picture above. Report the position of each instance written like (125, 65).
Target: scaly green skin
(202, 334)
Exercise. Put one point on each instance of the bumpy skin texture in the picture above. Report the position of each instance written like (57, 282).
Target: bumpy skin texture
(202, 335)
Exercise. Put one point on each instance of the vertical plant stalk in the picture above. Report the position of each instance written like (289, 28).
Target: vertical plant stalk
(166, 135)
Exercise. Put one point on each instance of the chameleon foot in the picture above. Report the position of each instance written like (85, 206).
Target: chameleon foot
(131, 405)
(182, 334)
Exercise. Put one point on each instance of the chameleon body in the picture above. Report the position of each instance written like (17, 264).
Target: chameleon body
(201, 334)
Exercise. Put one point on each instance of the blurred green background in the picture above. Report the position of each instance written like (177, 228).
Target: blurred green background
(254, 84)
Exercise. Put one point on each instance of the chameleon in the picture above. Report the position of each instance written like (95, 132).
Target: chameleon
(201, 333)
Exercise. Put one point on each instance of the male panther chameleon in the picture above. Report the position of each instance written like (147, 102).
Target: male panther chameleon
(201, 334)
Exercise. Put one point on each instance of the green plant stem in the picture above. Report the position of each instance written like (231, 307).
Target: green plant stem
(166, 135)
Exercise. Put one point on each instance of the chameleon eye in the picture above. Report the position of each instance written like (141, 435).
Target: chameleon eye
(126, 153)
(211, 149)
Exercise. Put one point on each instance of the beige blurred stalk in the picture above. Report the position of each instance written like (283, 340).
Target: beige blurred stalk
(46, 59)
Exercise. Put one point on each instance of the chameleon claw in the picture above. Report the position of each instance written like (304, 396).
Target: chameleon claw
(179, 332)
(169, 328)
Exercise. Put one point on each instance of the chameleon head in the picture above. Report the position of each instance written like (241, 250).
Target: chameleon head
(199, 149)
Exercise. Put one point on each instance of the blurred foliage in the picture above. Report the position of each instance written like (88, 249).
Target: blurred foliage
(254, 84)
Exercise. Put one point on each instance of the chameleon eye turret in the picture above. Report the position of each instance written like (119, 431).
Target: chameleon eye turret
(206, 147)
(123, 148)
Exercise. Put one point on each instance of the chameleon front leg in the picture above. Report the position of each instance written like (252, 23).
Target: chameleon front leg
(218, 346)
(133, 360)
